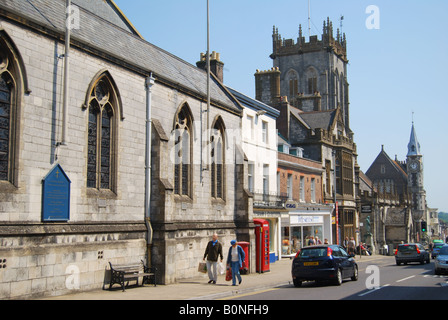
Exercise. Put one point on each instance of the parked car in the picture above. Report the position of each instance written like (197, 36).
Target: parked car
(441, 262)
(323, 262)
(411, 252)
(435, 249)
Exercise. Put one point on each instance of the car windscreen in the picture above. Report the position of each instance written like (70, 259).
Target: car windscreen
(438, 245)
(407, 248)
(313, 253)
(444, 251)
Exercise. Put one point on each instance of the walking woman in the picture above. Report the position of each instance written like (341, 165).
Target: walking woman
(235, 260)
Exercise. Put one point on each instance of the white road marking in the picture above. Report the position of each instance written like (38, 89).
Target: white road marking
(404, 279)
(373, 290)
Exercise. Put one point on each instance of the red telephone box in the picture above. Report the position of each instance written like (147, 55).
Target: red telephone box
(262, 245)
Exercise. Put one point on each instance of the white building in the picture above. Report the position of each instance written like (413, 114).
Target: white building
(259, 141)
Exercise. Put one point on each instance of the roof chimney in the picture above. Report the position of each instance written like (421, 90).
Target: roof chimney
(216, 65)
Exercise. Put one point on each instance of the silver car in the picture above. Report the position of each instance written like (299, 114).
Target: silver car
(441, 262)
(411, 252)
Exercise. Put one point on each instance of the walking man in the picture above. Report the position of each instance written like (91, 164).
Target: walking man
(212, 253)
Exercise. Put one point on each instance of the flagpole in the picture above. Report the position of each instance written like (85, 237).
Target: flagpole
(309, 18)
(208, 81)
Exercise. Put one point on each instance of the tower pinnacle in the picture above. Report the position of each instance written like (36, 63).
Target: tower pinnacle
(413, 146)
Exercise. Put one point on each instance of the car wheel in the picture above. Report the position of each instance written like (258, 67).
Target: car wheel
(297, 283)
(355, 275)
(338, 280)
(398, 263)
(437, 272)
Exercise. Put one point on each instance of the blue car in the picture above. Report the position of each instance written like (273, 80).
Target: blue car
(435, 249)
(323, 262)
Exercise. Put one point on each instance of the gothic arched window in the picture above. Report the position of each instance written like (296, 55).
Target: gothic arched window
(102, 136)
(293, 81)
(13, 84)
(6, 94)
(312, 79)
(183, 149)
(217, 154)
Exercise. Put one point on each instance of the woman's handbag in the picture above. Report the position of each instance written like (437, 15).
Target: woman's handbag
(202, 267)
(229, 274)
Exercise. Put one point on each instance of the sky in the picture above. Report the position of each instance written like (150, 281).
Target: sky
(397, 51)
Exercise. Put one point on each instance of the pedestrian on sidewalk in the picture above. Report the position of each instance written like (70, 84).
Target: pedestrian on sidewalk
(311, 241)
(235, 260)
(212, 252)
(351, 246)
(345, 243)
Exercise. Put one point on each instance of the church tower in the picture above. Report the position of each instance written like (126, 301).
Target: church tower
(311, 74)
(415, 177)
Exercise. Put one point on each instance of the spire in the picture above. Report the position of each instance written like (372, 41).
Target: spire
(413, 146)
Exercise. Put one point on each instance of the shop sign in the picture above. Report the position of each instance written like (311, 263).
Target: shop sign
(290, 205)
(306, 220)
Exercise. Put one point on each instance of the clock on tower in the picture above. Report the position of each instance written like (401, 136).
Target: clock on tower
(414, 166)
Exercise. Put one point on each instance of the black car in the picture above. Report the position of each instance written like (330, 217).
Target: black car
(323, 262)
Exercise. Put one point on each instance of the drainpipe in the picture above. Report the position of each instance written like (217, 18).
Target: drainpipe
(66, 73)
(208, 83)
(148, 83)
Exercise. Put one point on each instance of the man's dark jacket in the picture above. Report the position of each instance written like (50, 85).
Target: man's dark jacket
(213, 251)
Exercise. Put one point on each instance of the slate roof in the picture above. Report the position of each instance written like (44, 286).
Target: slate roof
(108, 11)
(319, 119)
(384, 157)
(297, 114)
(253, 104)
(103, 29)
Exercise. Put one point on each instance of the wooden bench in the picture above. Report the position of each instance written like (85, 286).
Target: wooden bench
(121, 273)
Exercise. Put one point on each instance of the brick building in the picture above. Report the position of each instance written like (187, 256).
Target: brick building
(300, 185)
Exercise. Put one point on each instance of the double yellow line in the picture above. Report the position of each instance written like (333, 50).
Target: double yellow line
(248, 294)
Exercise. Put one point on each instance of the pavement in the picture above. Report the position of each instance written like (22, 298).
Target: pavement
(197, 288)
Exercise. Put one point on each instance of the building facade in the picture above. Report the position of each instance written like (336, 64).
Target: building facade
(308, 85)
(400, 202)
(306, 216)
(122, 166)
(259, 143)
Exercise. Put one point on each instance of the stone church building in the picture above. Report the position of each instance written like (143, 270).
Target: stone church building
(394, 198)
(120, 161)
(308, 85)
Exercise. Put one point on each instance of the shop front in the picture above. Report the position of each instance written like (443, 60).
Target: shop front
(273, 217)
(305, 226)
